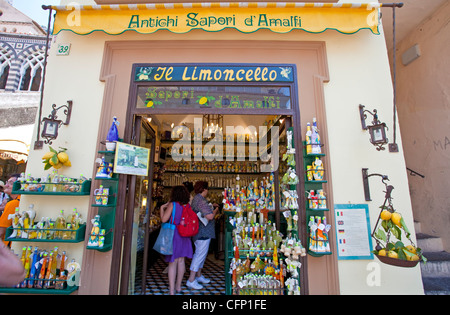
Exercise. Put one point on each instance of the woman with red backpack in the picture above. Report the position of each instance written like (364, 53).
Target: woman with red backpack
(182, 246)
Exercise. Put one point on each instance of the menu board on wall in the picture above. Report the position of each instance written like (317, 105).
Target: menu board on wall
(353, 237)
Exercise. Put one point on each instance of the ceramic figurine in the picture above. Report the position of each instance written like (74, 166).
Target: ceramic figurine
(15, 219)
(318, 169)
(312, 234)
(104, 170)
(308, 138)
(322, 199)
(94, 236)
(113, 135)
(101, 239)
(313, 200)
(315, 138)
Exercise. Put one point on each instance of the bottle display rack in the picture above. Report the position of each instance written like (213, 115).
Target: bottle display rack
(53, 189)
(315, 177)
(68, 236)
(105, 198)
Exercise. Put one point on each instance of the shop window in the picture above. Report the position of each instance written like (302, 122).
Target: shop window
(31, 72)
(5, 65)
(218, 97)
(4, 77)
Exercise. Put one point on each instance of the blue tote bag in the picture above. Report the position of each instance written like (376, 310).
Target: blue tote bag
(164, 242)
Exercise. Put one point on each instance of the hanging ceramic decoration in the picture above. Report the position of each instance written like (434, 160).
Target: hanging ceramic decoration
(113, 135)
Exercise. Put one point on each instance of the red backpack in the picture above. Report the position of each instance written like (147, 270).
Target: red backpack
(189, 222)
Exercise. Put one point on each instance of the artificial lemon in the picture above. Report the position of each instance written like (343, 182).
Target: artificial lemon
(63, 157)
(385, 215)
(203, 100)
(150, 104)
(411, 249)
(58, 166)
(48, 155)
(382, 252)
(395, 218)
(67, 163)
(392, 254)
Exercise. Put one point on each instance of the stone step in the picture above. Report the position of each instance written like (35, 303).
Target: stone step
(429, 243)
(437, 265)
(436, 286)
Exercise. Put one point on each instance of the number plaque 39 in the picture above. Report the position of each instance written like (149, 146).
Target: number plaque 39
(63, 49)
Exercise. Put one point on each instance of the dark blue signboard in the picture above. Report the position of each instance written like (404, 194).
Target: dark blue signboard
(205, 73)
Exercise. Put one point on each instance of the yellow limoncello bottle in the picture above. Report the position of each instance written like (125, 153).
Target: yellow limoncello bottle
(60, 225)
(27, 267)
(40, 283)
(52, 268)
(48, 275)
(24, 255)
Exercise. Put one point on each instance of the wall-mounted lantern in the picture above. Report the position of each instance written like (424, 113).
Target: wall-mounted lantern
(52, 123)
(377, 130)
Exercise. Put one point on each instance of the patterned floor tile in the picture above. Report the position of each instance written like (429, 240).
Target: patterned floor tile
(158, 281)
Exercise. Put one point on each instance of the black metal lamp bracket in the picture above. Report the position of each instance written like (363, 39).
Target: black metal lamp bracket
(363, 116)
(366, 175)
(67, 112)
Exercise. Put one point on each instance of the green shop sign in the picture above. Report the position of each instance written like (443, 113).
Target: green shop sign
(202, 73)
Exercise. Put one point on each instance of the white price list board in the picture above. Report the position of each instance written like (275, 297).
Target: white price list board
(353, 233)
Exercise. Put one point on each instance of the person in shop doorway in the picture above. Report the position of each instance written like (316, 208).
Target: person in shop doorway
(10, 207)
(190, 188)
(4, 198)
(182, 246)
(206, 232)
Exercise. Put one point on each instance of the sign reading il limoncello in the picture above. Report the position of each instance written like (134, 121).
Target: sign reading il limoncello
(205, 73)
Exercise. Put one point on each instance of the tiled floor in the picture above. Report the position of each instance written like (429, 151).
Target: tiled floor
(158, 282)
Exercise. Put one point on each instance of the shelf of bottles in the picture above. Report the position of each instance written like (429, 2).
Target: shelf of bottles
(257, 254)
(219, 167)
(47, 272)
(101, 234)
(261, 260)
(24, 227)
(52, 184)
(48, 235)
(316, 203)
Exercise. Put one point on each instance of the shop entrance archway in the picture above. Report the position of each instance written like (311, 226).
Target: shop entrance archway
(208, 89)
